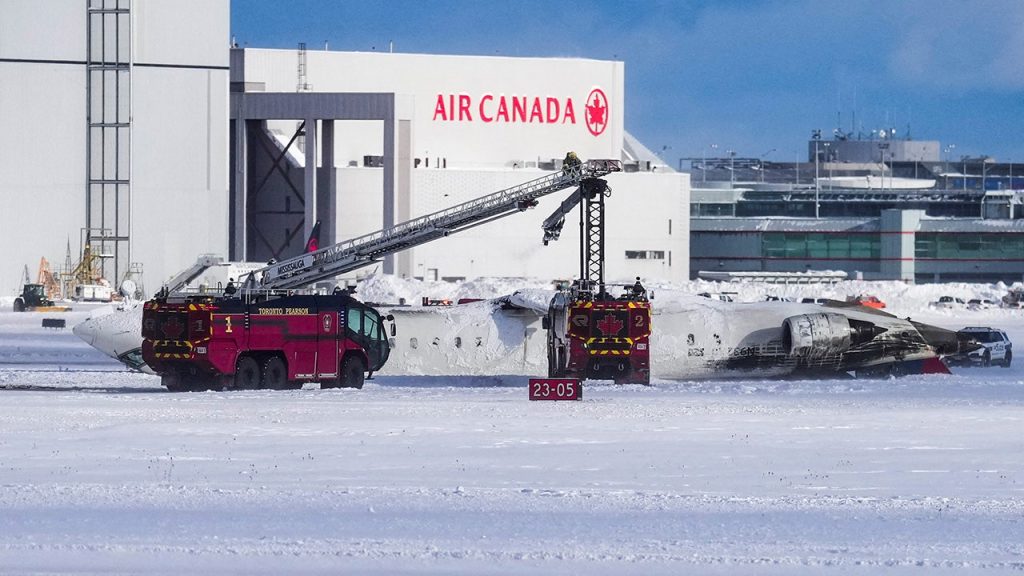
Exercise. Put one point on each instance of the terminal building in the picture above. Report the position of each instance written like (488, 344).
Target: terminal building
(874, 208)
(144, 135)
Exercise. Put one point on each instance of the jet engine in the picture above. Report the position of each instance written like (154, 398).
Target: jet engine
(822, 334)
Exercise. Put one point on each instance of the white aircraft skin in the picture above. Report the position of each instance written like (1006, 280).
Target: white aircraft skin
(118, 335)
(693, 338)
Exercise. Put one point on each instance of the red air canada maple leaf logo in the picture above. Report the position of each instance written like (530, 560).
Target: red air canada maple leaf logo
(597, 112)
(610, 325)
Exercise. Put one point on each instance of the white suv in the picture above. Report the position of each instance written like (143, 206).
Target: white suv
(996, 347)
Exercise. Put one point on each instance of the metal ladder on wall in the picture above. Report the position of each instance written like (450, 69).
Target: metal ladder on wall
(108, 66)
(364, 250)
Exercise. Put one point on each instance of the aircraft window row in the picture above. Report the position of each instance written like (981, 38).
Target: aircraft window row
(414, 342)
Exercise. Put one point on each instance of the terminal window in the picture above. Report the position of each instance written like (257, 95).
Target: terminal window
(819, 245)
(968, 246)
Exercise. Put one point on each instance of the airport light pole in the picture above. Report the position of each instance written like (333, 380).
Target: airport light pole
(945, 168)
(828, 160)
(816, 136)
(763, 157)
(704, 161)
(732, 168)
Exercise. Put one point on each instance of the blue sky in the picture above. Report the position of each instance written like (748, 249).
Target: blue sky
(754, 76)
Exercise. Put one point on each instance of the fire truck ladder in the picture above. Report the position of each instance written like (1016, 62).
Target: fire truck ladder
(591, 193)
(364, 250)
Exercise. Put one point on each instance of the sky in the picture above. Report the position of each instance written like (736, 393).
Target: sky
(751, 76)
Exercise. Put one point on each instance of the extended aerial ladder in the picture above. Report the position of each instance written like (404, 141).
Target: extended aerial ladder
(592, 334)
(364, 250)
(591, 193)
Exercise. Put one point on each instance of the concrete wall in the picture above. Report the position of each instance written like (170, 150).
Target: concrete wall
(897, 258)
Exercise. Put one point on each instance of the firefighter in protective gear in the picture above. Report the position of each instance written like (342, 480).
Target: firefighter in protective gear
(571, 161)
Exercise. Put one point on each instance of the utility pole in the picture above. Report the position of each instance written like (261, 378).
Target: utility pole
(816, 136)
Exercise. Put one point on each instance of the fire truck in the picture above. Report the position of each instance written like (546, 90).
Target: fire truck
(271, 333)
(593, 334)
(262, 340)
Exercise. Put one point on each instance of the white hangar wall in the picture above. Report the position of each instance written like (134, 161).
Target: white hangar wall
(469, 144)
(42, 152)
(179, 132)
(459, 115)
(638, 215)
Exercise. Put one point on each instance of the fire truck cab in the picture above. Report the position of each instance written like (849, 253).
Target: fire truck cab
(276, 341)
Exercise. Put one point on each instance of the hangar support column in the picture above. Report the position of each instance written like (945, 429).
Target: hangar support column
(318, 195)
(327, 185)
(309, 187)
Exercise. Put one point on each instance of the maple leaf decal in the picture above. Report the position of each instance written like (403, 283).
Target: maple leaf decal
(597, 109)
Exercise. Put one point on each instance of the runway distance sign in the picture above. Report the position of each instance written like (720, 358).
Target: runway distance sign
(556, 389)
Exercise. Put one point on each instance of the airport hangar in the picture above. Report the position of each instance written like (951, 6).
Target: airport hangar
(143, 133)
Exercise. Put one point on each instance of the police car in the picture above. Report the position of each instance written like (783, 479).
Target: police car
(996, 347)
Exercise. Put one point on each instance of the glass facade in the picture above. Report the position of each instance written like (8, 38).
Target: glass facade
(819, 245)
(968, 246)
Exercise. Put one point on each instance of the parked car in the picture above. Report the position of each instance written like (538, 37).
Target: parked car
(773, 298)
(980, 304)
(723, 296)
(948, 302)
(867, 300)
(996, 347)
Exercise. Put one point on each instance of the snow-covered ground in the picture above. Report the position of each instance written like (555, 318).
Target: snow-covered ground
(101, 471)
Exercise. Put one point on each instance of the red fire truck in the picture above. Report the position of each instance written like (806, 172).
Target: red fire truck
(591, 333)
(271, 341)
(592, 336)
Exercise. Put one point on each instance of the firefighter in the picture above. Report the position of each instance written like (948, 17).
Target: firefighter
(230, 289)
(571, 161)
(638, 289)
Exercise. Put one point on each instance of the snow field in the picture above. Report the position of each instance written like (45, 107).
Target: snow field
(101, 471)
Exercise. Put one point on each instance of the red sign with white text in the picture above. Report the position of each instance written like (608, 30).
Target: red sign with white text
(556, 389)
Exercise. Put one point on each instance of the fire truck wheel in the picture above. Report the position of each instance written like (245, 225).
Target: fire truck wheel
(173, 383)
(275, 375)
(247, 373)
(352, 372)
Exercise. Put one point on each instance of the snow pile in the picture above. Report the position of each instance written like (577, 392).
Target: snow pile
(900, 298)
(388, 289)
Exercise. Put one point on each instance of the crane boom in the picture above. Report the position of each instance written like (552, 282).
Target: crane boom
(364, 250)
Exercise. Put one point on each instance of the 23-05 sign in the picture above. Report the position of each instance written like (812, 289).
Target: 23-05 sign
(556, 389)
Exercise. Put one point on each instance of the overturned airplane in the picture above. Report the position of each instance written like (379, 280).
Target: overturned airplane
(694, 338)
